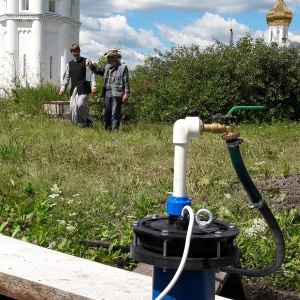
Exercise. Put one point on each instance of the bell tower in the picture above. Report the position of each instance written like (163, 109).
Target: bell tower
(279, 18)
(35, 36)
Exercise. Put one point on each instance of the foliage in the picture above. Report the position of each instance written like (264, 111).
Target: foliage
(29, 101)
(187, 81)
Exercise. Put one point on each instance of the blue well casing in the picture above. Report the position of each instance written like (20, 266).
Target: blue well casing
(191, 284)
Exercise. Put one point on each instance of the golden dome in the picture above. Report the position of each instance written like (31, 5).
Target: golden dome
(279, 14)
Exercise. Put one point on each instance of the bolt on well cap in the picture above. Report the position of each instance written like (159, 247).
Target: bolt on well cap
(113, 52)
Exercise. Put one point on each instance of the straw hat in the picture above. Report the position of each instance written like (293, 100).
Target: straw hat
(113, 52)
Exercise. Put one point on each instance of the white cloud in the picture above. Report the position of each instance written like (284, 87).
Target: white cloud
(113, 32)
(105, 25)
(105, 8)
(202, 31)
(100, 8)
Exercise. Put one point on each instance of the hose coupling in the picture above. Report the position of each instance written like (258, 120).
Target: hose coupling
(258, 205)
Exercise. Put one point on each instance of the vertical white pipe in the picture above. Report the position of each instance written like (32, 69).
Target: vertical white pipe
(180, 165)
(183, 132)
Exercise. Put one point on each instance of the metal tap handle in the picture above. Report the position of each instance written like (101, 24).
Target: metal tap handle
(243, 108)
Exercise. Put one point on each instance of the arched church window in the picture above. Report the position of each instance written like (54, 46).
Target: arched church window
(71, 8)
(51, 67)
(25, 4)
(24, 65)
(51, 5)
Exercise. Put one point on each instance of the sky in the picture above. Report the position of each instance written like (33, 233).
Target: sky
(137, 27)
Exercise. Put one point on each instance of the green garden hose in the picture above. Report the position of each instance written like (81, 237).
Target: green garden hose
(256, 199)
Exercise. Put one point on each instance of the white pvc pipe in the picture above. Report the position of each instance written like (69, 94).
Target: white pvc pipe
(183, 131)
(179, 180)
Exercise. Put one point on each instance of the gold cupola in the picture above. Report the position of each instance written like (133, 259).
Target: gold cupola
(279, 15)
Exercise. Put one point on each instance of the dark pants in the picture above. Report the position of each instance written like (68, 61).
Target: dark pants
(112, 111)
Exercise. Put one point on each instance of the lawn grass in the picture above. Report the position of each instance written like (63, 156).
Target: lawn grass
(61, 185)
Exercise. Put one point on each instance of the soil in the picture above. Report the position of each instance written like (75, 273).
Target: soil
(289, 185)
(256, 292)
(284, 194)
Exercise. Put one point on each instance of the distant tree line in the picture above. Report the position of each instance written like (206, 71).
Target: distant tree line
(188, 81)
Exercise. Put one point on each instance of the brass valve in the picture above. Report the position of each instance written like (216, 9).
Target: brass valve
(226, 130)
(218, 126)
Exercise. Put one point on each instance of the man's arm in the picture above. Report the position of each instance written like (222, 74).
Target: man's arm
(126, 85)
(66, 80)
(97, 70)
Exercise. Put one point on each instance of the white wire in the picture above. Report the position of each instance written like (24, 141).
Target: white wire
(184, 255)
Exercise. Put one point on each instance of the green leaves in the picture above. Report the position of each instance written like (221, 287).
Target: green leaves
(189, 81)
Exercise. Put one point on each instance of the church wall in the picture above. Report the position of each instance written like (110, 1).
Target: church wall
(25, 59)
(64, 8)
(2, 42)
(2, 7)
(278, 34)
(75, 9)
(12, 6)
(52, 61)
(37, 6)
(11, 51)
(2, 54)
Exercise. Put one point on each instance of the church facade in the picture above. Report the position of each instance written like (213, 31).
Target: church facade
(35, 37)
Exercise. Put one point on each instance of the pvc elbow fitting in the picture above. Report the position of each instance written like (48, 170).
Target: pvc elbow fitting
(186, 129)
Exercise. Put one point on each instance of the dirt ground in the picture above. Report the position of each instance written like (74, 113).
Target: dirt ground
(255, 292)
(274, 189)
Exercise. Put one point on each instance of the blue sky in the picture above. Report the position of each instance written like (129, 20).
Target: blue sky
(139, 26)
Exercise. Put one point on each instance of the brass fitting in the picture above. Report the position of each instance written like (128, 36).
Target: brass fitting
(226, 131)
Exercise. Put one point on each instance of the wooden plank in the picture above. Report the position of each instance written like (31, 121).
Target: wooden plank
(30, 272)
(22, 289)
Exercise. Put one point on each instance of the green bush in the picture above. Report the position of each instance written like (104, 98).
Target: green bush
(187, 81)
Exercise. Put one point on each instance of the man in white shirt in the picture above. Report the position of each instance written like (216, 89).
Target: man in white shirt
(80, 88)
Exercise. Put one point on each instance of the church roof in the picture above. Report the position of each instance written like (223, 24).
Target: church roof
(279, 14)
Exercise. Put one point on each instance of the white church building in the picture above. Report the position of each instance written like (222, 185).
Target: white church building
(35, 37)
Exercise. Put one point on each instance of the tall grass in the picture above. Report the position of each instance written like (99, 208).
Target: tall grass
(61, 185)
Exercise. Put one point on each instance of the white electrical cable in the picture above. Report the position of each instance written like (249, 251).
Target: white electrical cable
(184, 255)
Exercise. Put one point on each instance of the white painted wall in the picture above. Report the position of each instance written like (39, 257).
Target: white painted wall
(278, 34)
(34, 43)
